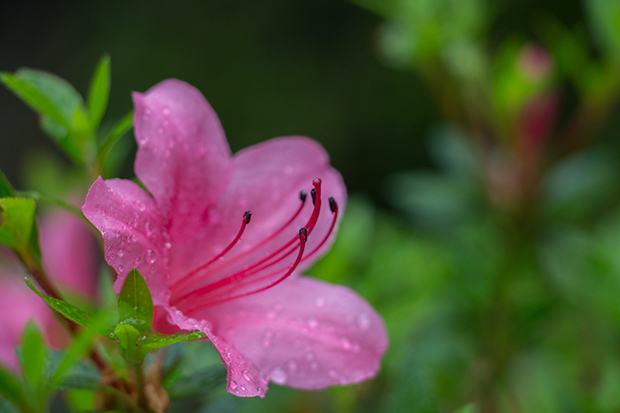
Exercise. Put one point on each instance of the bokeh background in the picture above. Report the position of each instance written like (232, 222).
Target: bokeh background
(479, 142)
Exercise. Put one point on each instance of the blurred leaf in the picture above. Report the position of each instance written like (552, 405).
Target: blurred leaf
(470, 408)
(16, 222)
(411, 389)
(118, 131)
(70, 312)
(202, 381)
(604, 18)
(64, 116)
(11, 387)
(34, 353)
(99, 92)
(79, 376)
(6, 406)
(6, 189)
(135, 304)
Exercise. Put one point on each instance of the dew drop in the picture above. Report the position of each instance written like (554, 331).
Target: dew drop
(312, 322)
(166, 111)
(345, 344)
(140, 205)
(149, 229)
(168, 245)
(333, 374)
(151, 256)
(134, 238)
(246, 375)
(120, 252)
(120, 268)
(138, 260)
(233, 384)
(278, 375)
(363, 321)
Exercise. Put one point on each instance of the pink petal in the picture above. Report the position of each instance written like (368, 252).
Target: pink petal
(267, 180)
(243, 379)
(133, 232)
(183, 157)
(303, 333)
(18, 305)
(69, 252)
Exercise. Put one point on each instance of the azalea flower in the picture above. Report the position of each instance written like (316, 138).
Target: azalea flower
(221, 240)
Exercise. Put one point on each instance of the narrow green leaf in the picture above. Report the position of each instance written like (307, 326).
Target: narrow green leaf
(99, 92)
(121, 128)
(135, 305)
(33, 356)
(64, 115)
(200, 382)
(11, 387)
(16, 222)
(156, 340)
(71, 312)
(6, 189)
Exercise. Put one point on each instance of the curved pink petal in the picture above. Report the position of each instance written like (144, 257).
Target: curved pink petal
(183, 157)
(243, 379)
(18, 305)
(133, 231)
(267, 180)
(303, 333)
(69, 252)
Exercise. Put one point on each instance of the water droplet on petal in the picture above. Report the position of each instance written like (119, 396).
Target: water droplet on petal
(140, 205)
(278, 375)
(333, 374)
(120, 268)
(149, 229)
(345, 344)
(246, 375)
(120, 252)
(233, 384)
(320, 301)
(312, 322)
(363, 321)
(151, 256)
(166, 111)
(138, 260)
(168, 245)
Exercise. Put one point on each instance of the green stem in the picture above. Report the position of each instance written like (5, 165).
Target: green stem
(38, 197)
(138, 370)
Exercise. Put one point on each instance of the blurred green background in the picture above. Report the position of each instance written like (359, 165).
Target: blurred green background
(479, 142)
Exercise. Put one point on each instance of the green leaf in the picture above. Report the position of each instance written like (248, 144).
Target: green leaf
(11, 387)
(6, 189)
(99, 92)
(64, 116)
(72, 313)
(135, 305)
(33, 356)
(604, 16)
(16, 222)
(156, 340)
(128, 340)
(121, 128)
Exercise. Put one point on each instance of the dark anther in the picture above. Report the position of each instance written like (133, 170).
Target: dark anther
(303, 233)
(313, 194)
(248, 216)
(332, 204)
(302, 196)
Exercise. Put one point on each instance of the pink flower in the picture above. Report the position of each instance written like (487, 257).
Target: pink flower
(18, 306)
(69, 251)
(209, 268)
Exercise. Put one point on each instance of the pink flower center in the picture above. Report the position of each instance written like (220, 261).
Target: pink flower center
(273, 268)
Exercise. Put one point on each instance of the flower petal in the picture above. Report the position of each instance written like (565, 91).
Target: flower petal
(303, 333)
(133, 232)
(267, 180)
(243, 379)
(69, 252)
(183, 157)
